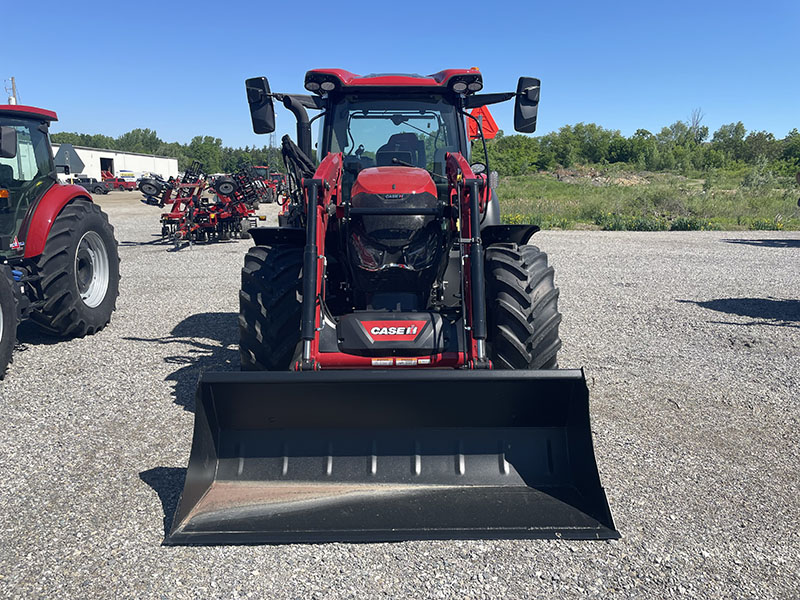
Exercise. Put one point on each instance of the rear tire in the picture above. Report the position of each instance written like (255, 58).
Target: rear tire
(79, 271)
(522, 307)
(8, 319)
(269, 307)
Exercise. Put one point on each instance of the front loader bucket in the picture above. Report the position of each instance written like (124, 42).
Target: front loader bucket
(355, 456)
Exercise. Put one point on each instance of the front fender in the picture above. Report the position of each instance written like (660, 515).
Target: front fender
(46, 211)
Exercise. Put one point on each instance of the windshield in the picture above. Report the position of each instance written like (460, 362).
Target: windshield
(377, 132)
(26, 176)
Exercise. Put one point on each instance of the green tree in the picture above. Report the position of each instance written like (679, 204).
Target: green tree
(208, 150)
(760, 146)
(729, 139)
(790, 147)
(145, 141)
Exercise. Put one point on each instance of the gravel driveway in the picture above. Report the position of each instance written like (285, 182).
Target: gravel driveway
(690, 343)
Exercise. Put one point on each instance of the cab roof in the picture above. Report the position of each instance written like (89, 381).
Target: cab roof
(346, 79)
(18, 110)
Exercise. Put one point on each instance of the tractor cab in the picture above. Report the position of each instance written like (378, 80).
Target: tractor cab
(26, 169)
(389, 130)
(391, 121)
(395, 139)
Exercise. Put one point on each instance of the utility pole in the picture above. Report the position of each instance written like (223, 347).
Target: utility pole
(12, 99)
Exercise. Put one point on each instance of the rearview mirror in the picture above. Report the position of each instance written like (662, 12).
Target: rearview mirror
(8, 141)
(262, 111)
(527, 104)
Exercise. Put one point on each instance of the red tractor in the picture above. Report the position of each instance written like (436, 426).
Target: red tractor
(58, 257)
(400, 344)
(279, 181)
(271, 182)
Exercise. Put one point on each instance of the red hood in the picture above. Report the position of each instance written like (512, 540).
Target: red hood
(394, 180)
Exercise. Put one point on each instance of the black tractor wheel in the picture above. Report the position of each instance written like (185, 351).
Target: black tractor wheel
(79, 271)
(269, 307)
(522, 308)
(8, 319)
(269, 197)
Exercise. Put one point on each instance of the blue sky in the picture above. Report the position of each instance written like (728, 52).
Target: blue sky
(179, 68)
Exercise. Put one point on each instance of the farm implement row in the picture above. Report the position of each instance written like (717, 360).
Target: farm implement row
(227, 213)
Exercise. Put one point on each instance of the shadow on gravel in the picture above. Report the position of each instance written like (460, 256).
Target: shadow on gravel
(205, 341)
(158, 241)
(768, 243)
(168, 484)
(768, 311)
(29, 334)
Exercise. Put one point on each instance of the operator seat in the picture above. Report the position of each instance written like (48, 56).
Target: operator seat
(402, 146)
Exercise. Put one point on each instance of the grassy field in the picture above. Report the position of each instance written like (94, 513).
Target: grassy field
(611, 199)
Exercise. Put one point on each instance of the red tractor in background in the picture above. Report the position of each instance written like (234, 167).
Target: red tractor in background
(265, 175)
(279, 181)
(58, 256)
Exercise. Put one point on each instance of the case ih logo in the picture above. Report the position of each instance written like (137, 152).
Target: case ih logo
(393, 331)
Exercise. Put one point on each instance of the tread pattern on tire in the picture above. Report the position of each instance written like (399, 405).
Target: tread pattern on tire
(522, 307)
(61, 313)
(269, 307)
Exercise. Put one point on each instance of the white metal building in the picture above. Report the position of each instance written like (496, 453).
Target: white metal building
(123, 164)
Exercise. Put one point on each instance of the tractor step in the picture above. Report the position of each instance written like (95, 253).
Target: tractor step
(387, 456)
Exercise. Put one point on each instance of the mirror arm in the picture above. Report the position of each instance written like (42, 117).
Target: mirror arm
(478, 100)
(305, 100)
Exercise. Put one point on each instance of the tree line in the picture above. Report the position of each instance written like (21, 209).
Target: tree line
(683, 147)
(209, 150)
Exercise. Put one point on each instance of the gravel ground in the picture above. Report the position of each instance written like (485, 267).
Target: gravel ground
(690, 344)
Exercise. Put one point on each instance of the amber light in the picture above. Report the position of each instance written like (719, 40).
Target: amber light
(3, 193)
